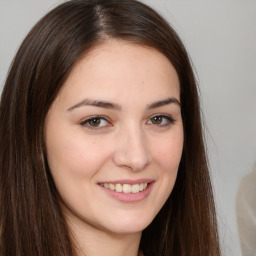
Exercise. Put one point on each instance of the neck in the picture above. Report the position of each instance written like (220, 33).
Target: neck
(91, 241)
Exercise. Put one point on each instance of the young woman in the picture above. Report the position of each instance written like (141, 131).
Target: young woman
(101, 141)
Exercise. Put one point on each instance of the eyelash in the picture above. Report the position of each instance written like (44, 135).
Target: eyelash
(86, 122)
(91, 118)
(168, 118)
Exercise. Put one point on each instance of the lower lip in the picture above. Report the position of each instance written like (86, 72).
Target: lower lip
(129, 197)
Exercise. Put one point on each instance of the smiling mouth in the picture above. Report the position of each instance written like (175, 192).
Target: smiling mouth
(126, 188)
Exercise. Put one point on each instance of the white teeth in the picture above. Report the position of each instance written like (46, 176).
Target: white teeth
(135, 188)
(126, 188)
(112, 186)
(106, 185)
(118, 188)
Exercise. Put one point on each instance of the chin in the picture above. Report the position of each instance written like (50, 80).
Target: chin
(130, 225)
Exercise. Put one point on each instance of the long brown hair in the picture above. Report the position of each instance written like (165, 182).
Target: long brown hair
(31, 222)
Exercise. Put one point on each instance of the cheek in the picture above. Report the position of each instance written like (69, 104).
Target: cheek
(75, 156)
(168, 153)
(74, 164)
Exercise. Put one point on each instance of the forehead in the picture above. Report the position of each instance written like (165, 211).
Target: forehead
(119, 68)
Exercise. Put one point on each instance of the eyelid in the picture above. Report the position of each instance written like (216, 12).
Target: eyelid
(168, 117)
(84, 123)
(170, 120)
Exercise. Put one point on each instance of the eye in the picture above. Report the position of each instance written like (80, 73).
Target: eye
(95, 122)
(161, 120)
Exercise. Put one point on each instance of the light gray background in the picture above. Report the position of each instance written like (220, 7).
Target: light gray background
(221, 39)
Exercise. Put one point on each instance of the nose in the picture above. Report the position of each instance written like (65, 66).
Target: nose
(132, 150)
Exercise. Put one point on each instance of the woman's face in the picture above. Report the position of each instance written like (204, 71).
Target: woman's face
(114, 137)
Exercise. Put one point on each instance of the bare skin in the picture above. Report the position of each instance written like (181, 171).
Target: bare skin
(114, 139)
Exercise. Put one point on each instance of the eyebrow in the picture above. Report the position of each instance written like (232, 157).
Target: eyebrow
(161, 103)
(114, 106)
(96, 103)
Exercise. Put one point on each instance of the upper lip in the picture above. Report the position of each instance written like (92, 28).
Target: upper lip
(128, 181)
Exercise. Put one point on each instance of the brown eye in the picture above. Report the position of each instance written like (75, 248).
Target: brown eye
(161, 120)
(157, 119)
(95, 122)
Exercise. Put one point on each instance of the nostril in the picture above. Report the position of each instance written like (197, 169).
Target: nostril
(133, 162)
